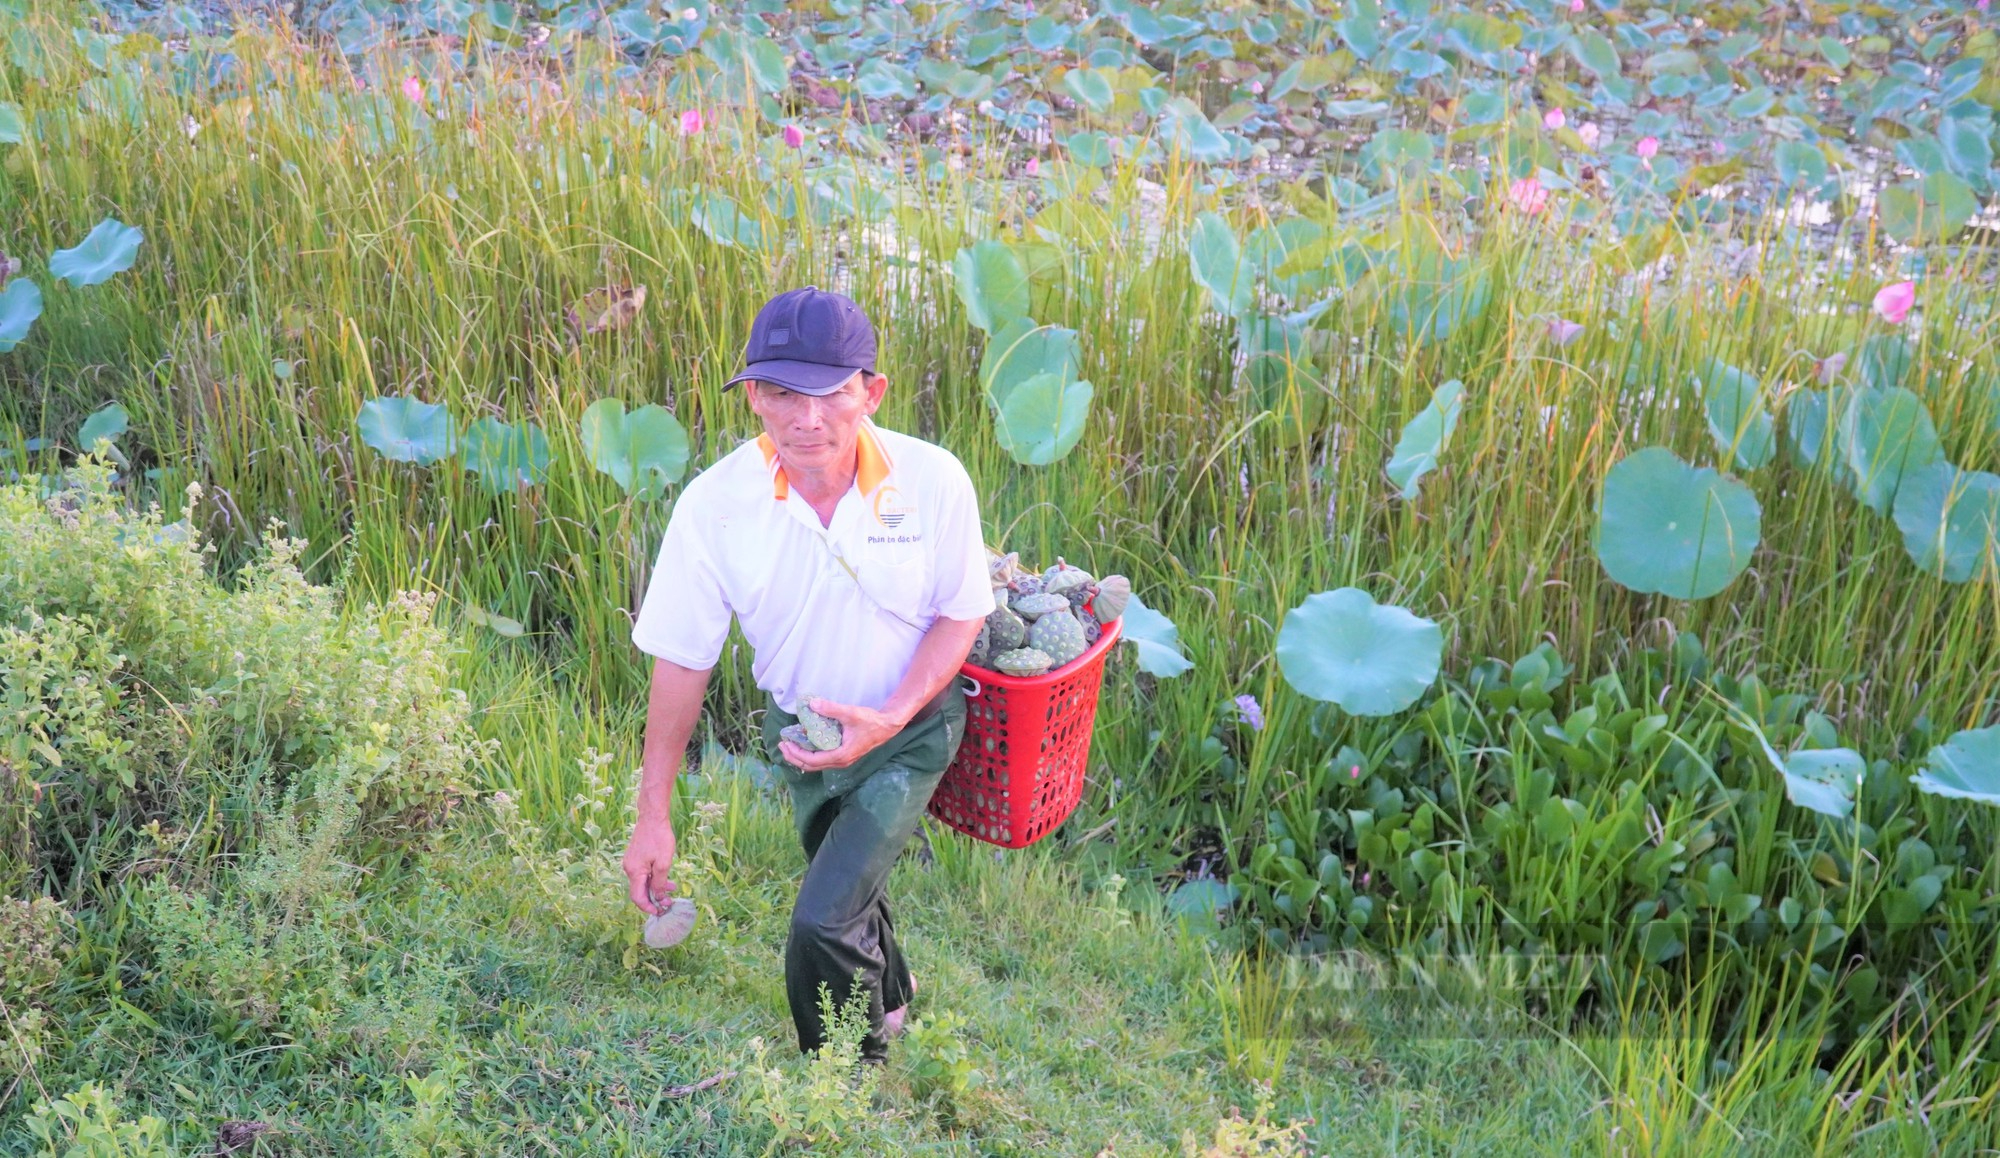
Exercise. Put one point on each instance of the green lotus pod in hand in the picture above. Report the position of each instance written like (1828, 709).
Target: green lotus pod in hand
(813, 732)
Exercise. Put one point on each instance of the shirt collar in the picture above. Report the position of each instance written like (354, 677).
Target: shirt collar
(871, 463)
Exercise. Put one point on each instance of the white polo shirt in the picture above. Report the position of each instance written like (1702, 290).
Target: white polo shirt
(834, 611)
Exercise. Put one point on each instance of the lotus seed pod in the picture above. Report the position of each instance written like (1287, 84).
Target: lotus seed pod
(1002, 569)
(1113, 593)
(1028, 583)
(1008, 628)
(1036, 606)
(1092, 630)
(671, 925)
(1059, 634)
(1022, 661)
(1062, 579)
(981, 644)
(1081, 594)
(796, 733)
(822, 732)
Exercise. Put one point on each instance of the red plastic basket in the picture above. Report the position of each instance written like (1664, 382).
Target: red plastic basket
(1019, 771)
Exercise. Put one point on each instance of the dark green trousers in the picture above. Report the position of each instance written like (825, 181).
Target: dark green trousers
(853, 822)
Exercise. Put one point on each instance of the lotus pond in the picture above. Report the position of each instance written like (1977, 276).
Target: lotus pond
(1556, 447)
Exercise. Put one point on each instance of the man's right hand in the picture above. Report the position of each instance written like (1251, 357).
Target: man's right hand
(648, 856)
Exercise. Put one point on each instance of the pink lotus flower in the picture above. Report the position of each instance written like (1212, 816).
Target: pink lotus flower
(1647, 148)
(1257, 88)
(1576, 5)
(414, 90)
(691, 122)
(1893, 302)
(1563, 332)
(1588, 131)
(1528, 195)
(794, 136)
(1829, 367)
(1354, 773)
(1554, 119)
(1034, 166)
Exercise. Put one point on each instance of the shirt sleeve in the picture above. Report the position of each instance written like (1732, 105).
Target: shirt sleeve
(963, 589)
(684, 618)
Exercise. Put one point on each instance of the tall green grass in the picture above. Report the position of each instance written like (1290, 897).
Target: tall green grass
(382, 249)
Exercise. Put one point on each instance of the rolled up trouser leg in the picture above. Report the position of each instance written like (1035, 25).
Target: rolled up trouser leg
(853, 822)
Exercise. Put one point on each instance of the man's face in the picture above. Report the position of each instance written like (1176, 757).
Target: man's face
(817, 433)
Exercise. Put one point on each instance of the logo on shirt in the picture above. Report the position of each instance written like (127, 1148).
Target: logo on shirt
(890, 509)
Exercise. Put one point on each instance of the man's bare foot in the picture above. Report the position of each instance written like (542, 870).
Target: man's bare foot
(892, 1021)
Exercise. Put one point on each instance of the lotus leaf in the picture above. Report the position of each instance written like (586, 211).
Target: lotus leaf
(1155, 638)
(505, 456)
(1425, 437)
(643, 451)
(1964, 767)
(1950, 520)
(1436, 297)
(1361, 28)
(992, 283)
(1274, 349)
(1931, 210)
(1091, 88)
(12, 128)
(1806, 425)
(880, 80)
(1369, 658)
(1217, 260)
(1021, 350)
(1800, 164)
(1737, 420)
(20, 305)
(106, 422)
(498, 624)
(1201, 896)
(406, 430)
(1042, 418)
(1669, 528)
(758, 58)
(1822, 779)
(1967, 145)
(1192, 133)
(1090, 148)
(1394, 153)
(1596, 53)
(1885, 361)
(108, 249)
(718, 215)
(636, 24)
(1887, 434)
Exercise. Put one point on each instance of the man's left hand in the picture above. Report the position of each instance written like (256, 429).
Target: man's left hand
(862, 730)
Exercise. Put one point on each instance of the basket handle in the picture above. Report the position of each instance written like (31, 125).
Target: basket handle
(974, 693)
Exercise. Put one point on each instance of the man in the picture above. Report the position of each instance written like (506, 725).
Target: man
(853, 559)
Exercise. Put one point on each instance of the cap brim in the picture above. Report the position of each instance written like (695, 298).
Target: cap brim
(804, 377)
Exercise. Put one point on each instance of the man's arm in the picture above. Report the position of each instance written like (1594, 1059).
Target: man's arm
(862, 730)
(672, 708)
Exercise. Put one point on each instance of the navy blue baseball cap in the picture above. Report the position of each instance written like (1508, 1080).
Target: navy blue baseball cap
(808, 340)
